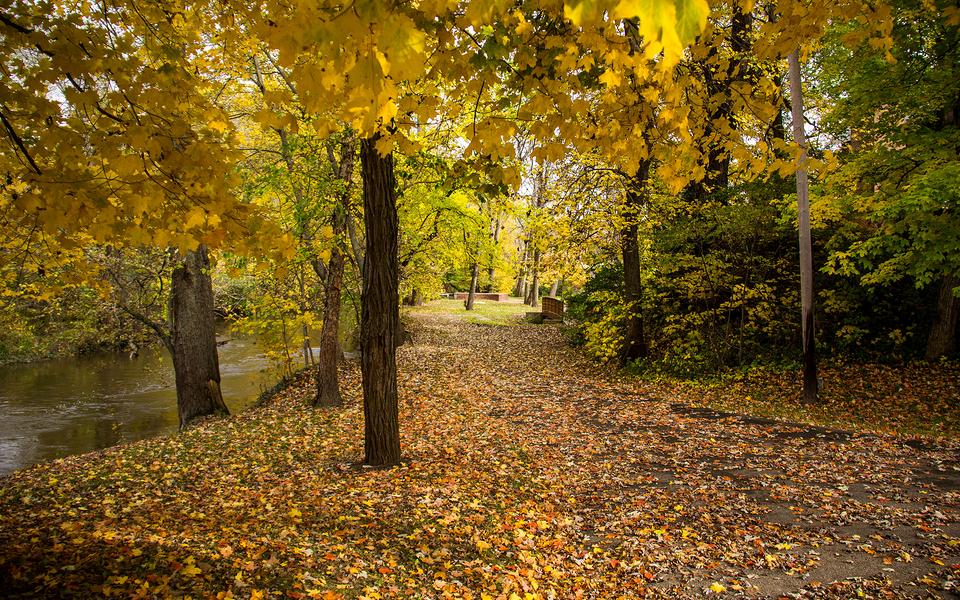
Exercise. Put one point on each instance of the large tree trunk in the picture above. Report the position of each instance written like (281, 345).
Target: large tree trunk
(942, 340)
(810, 383)
(380, 317)
(634, 341)
(554, 288)
(328, 356)
(193, 340)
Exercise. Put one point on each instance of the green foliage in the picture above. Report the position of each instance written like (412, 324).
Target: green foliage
(896, 197)
(599, 312)
(721, 292)
(279, 320)
(603, 328)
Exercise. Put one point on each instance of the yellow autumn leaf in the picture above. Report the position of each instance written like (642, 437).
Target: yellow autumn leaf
(670, 24)
(218, 125)
(610, 78)
(196, 217)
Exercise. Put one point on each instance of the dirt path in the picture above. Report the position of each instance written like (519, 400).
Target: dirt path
(702, 498)
(529, 473)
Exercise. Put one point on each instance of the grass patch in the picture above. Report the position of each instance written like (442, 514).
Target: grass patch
(484, 312)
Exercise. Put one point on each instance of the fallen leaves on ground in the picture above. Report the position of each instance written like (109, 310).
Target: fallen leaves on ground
(529, 473)
(916, 399)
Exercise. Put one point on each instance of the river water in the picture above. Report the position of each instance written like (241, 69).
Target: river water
(55, 408)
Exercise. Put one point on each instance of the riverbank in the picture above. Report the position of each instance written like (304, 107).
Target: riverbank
(528, 472)
(66, 406)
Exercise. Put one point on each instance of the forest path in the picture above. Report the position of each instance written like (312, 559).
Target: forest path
(693, 498)
(528, 472)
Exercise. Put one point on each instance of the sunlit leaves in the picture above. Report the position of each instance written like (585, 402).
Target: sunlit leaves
(667, 25)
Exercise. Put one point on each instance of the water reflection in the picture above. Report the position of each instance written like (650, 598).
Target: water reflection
(67, 406)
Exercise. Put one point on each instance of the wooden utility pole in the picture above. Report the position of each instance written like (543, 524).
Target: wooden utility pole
(806, 248)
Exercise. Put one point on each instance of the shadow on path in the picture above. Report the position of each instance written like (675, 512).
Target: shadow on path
(699, 498)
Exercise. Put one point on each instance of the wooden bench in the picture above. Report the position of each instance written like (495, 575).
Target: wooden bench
(551, 308)
(551, 311)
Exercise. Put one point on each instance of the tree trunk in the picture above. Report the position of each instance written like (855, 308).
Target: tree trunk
(381, 312)
(535, 280)
(554, 288)
(806, 249)
(942, 340)
(634, 341)
(491, 267)
(520, 289)
(193, 340)
(414, 298)
(471, 296)
(328, 356)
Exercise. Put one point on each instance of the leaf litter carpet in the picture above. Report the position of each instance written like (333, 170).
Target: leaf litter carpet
(528, 472)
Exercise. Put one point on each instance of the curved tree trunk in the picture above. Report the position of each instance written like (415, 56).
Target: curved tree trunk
(328, 355)
(534, 294)
(942, 340)
(380, 318)
(554, 288)
(193, 340)
(521, 288)
(491, 266)
(472, 294)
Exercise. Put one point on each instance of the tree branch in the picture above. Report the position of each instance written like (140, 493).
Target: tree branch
(11, 132)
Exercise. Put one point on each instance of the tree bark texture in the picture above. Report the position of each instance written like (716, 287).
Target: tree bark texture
(193, 340)
(810, 383)
(380, 308)
(328, 354)
(942, 340)
(634, 340)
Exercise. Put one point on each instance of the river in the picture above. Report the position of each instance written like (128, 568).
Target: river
(55, 408)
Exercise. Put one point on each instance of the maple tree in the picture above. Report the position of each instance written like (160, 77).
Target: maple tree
(112, 139)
